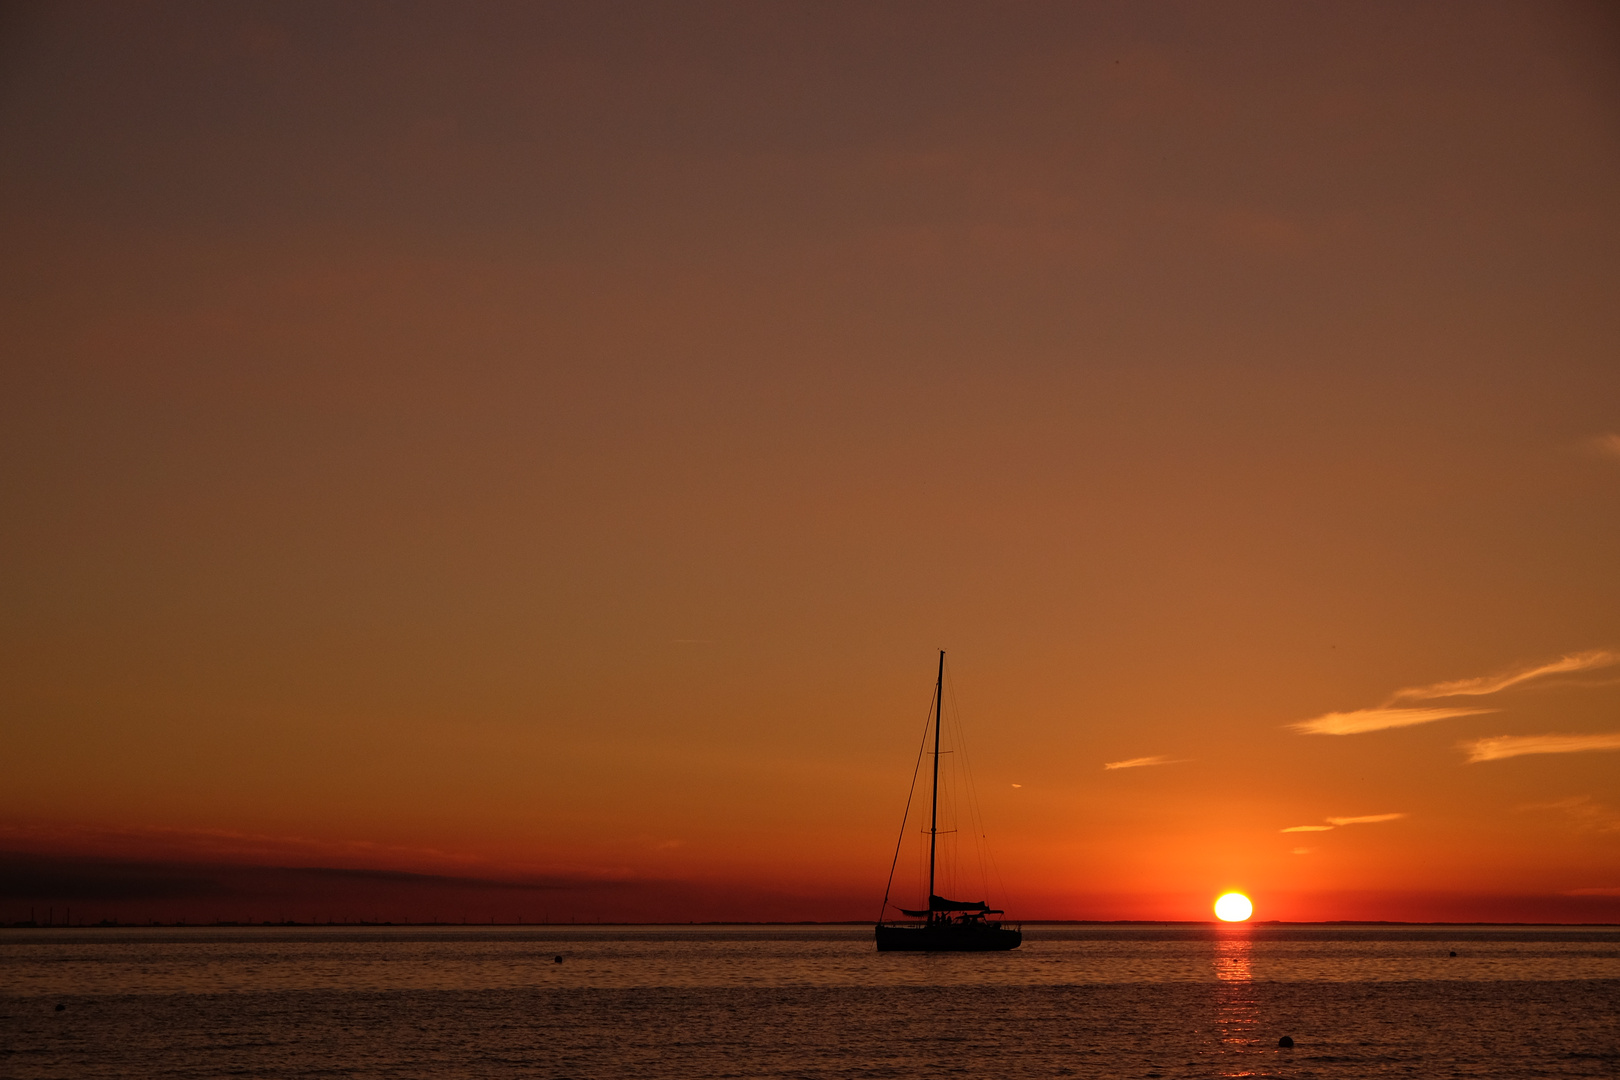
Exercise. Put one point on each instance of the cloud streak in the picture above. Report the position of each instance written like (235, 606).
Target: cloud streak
(1584, 813)
(1491, 684)
(1363, 720)
(1141, 762)
(1393, 714)
(1498, 747)
(1334, 822)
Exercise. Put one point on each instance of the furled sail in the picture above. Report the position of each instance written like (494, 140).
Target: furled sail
(939, 903)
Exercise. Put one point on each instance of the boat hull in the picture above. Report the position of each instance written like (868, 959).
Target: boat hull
(950, 937)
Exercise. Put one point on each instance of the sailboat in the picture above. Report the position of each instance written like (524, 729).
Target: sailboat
(946, 925)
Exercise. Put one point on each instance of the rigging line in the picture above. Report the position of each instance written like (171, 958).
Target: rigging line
(988, 852)
(961, 795)
(915, 769)
(964, 796)
(975, 811)
(1001, 885)
(975, 807)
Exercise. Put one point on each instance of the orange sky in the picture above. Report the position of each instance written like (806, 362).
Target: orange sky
(548, 444)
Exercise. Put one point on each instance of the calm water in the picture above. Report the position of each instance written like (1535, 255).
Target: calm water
(1137, 1001)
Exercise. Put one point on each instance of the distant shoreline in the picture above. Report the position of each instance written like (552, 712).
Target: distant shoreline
(229, 925)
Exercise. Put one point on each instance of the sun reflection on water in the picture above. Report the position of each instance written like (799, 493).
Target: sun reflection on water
(1236, 1010)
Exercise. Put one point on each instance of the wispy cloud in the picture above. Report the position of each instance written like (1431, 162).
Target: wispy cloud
(1583, 812)
(1593, 892)
(1498, 747)
(1334, 822)
(1391, 714)
(1608, 445)
(1364, 720)
(1139, 762)
(1490, 684)
(1365, 819)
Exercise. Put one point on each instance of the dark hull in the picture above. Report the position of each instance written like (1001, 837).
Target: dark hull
(950, 937)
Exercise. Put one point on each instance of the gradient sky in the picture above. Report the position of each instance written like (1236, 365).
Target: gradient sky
(547, 445)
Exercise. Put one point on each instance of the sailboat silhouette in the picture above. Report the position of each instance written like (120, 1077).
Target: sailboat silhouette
(948, 925)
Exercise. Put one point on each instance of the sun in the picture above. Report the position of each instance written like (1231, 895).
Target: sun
(1233, 907)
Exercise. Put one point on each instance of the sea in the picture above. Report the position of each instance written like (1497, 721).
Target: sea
(1132, 1000)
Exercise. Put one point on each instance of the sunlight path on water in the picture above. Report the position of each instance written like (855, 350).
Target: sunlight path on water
(1236, 1008)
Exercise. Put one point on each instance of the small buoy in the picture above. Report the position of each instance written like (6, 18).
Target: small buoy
(59, 1008)
(557, 960)
(1453, 952)
(1286, 1042)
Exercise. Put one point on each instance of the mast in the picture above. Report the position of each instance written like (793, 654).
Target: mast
(933, 812)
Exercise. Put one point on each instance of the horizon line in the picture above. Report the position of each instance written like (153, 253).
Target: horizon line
(386, 925)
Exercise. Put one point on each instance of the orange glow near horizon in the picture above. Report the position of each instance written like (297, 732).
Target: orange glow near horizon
(540, 448)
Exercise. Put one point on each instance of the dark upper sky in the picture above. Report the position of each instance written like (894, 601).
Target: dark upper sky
(555, 437)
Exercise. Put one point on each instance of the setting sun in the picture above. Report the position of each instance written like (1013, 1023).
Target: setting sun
(1233, 907)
